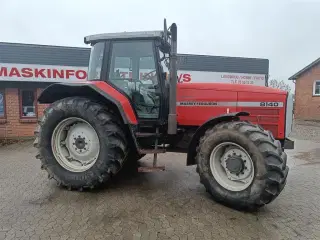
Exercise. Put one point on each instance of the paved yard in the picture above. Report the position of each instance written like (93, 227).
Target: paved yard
(164, 205)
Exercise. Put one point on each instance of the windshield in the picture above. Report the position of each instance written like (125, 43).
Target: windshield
(95, 62)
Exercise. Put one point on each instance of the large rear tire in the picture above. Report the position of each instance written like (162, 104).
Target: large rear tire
(81, 144)
(241, 165)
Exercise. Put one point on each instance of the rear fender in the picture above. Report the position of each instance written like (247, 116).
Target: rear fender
(192, 152)
(99, 91)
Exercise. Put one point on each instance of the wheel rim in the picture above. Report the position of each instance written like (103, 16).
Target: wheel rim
(231, 166)
(75, 144)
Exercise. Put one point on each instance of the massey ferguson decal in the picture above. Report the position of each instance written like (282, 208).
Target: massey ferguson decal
(230, 104)
(197, 103)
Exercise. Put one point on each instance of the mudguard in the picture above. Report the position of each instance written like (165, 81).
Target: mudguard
(97, 90)
(202, 129)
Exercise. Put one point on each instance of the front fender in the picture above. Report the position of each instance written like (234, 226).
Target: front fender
(192, 152)
(99, 91)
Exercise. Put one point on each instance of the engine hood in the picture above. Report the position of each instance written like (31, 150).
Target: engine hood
(231, 87)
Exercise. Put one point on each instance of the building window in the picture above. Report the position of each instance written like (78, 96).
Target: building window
(316, 88)
(2, 104)
(28, 103)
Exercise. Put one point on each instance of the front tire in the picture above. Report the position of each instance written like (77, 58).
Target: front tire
(252, 161)
(81, 144)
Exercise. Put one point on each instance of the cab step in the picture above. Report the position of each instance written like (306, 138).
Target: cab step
(146, 134)
(155, 151)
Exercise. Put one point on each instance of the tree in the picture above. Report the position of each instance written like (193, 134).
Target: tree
(279, 84)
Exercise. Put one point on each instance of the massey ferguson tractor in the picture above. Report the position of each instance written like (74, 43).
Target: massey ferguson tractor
(234, 134)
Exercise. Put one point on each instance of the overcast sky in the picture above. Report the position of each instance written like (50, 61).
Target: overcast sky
(284, 31)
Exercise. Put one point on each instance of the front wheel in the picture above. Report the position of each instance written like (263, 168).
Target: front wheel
(81, 144)
(241, 165)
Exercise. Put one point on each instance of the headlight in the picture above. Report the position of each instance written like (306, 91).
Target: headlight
(289, 114)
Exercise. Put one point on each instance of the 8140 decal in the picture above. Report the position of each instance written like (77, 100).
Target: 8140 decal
(271, 104)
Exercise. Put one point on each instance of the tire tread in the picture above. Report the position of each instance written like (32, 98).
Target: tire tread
(274, 157)
(113, 135)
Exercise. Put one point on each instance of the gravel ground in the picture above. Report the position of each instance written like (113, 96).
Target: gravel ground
(306, 130)
(165, 205)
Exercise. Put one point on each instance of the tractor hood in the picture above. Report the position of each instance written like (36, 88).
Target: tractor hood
(269, 107)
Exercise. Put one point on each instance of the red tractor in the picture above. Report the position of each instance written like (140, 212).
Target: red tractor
(93, 128)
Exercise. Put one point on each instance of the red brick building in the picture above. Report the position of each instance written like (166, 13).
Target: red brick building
(13, 123)
(307, 92)
(26, 69)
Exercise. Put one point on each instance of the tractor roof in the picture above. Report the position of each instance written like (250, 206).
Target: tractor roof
(123, 35)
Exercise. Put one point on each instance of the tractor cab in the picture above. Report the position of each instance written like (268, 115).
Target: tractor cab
(135, 64)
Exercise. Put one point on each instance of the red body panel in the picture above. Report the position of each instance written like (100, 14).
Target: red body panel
(199, 102)
(197, 115)
(128, 111)
(270, 118)
(221, 99)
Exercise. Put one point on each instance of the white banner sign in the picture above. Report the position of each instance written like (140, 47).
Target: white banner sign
(206, 77)
(50, 73)
(221, 77)
(41, 73)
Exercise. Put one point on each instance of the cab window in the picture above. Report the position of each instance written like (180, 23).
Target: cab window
(133, 71)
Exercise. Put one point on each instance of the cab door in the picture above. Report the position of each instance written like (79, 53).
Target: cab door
(134, 71)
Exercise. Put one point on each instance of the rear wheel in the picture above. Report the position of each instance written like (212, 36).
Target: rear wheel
(241, 165)
(80, 143)
(75, 144)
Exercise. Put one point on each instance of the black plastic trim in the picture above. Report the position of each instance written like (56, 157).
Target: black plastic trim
(106, 55)
(288, 144)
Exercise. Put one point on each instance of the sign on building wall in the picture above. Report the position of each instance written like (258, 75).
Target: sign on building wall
(49, 73)
(41, 73)
(206, 77)
(221, 77)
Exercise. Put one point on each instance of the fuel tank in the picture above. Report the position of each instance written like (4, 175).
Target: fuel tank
(198, 102)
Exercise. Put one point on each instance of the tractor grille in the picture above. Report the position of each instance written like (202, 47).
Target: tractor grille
(267, 118)
(265, 111)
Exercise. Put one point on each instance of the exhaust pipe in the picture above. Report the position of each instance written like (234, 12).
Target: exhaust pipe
(172, 117)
